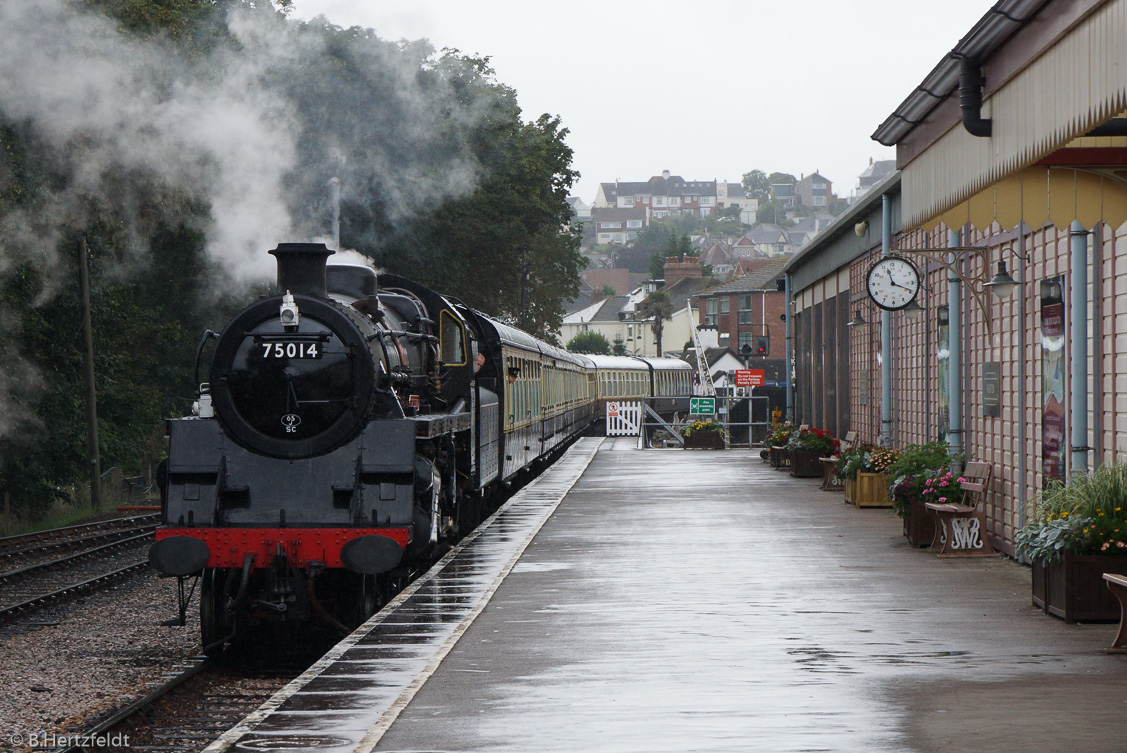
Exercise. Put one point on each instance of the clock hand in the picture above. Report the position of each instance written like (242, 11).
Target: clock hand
(893, 280)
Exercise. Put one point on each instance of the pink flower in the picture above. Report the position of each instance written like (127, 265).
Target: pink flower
(943, 482)
(961, 480)
(942, 499)
(1120, 544)
(1105, 546)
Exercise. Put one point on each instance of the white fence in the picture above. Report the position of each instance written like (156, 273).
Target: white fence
(624, 418)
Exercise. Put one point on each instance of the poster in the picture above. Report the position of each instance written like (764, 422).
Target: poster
(944, 357)
(1052, 390)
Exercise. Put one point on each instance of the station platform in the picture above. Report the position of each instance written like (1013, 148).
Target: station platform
(681, 600)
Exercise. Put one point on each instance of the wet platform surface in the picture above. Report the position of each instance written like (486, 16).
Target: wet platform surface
(701, 601)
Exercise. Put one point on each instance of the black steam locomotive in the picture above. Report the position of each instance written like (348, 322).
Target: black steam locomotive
(352, 426)
(351, 429)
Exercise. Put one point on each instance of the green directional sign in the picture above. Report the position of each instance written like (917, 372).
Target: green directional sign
(702, 406)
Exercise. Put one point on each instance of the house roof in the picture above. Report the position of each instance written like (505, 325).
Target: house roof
(809, 179)
(683, 291)
(876, 170)
(766, 233)
(658, 185)
(762, 279)
(600, 311)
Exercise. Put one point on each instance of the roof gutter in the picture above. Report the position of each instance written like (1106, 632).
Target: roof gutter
(1000, 23)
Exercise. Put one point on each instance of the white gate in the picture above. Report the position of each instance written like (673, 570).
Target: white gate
(624, 419)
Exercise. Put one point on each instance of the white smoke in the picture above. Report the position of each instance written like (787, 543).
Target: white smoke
(128, 127)
(103, 101)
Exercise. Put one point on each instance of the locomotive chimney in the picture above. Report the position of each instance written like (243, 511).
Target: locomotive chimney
(301, 268)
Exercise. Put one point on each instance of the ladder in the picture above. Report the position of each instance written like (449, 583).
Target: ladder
(707, 388)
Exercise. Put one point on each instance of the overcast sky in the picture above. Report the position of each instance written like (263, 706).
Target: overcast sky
(706, 90)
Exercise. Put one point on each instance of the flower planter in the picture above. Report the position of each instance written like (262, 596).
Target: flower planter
(919, 525)
(704, 440)
(806, 464)
(871, 490)
(1074, 589)
(780, 458)
(850, 491)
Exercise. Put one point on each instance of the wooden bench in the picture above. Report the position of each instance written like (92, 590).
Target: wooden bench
(1118, 586)
(830, 481)
(960, 530)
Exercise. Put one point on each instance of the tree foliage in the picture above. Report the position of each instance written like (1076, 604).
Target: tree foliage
(589, 342)
(491, 225)
(656, 306)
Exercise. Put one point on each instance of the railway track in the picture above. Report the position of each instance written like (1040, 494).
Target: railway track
(105, 555)
(29, 548)
(187, 708)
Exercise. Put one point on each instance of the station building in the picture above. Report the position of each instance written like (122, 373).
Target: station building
(1011, 160)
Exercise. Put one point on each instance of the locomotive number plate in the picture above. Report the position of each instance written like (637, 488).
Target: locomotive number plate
(282, 349)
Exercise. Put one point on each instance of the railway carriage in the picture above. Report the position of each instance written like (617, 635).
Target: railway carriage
(664, 383)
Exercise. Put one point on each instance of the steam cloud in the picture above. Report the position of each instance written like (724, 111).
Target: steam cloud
(253, 132)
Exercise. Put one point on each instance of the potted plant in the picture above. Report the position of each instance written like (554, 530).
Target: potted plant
(851, 462)
(704, 435)
(1075, 534)
(907, 477)
(777, 444)
(806, 446)
(863, 470)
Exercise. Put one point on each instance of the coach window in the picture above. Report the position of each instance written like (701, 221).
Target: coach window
(453, 340)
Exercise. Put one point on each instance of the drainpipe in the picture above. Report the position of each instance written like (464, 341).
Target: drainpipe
(1022, 455)
(955, 351)
(1078, 334)
(885, 333)
(971, 82)
(790, 348)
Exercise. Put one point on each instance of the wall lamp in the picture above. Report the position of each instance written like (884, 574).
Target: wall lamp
(913, 310)
(858, 322)
(1001, 285)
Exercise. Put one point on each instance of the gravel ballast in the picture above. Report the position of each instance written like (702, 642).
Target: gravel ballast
(60, 676)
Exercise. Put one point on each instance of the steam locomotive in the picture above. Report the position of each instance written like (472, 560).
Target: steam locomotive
(351, 428)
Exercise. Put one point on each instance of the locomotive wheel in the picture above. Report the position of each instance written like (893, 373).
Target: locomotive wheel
(215, 624)
(371, 597)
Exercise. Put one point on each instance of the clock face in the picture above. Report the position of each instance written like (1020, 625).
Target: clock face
(893, 283)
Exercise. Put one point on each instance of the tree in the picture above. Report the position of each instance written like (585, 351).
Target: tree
(619, 346)
(656, 306)
(589, 342)
(755, 185)
(607, 290)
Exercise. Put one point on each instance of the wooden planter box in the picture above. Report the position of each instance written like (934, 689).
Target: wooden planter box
(704, 440)
(871, 490)
(1074, 588)
(850, 491)
(919, 526)
(806, 465)
(780, 458)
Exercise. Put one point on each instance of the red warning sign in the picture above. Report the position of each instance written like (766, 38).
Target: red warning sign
(750, 378)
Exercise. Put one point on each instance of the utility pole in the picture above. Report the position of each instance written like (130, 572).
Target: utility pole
(91, 394)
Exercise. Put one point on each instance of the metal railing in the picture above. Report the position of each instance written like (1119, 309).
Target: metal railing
(747, 420)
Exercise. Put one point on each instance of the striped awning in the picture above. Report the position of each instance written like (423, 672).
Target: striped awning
(1042, 194)
(1078, 83)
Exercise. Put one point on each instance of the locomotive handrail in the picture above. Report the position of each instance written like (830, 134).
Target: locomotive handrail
(289, 336)
(199, 352)
(404, 334)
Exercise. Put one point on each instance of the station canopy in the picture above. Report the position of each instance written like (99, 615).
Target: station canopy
(1079, 182)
